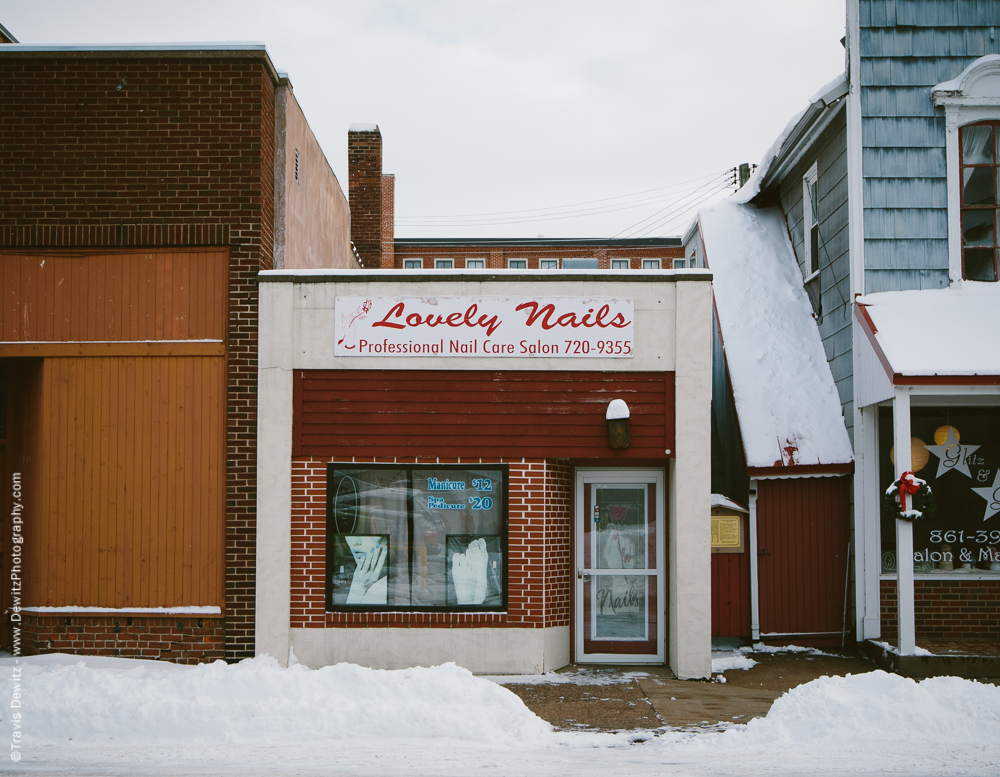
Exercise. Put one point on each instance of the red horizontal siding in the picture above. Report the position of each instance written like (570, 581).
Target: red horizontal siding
(467, 413)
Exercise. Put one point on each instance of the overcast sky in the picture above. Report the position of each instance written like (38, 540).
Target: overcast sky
(495, 107)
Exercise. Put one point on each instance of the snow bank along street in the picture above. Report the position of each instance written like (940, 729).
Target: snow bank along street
(102, 715)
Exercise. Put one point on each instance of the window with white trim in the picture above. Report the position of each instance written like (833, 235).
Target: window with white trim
(980, 245)
(413, 264)
(619, 264)
(475, 264)
(444, 264)
(650, 264)
(680, 264)
(810, 223)
(517, 264)
(548, 264)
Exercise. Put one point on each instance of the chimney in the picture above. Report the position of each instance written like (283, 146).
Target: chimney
(364, 169)
(388, 221)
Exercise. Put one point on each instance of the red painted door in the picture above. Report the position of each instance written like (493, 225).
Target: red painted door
(802, 535)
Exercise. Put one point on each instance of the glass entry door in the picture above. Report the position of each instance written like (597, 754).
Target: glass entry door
(620, 584)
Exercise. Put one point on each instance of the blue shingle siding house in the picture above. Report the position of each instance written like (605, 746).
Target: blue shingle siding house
(888, 186)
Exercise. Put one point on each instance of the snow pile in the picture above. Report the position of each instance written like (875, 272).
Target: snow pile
(257, 702)
(917, 330)
(725, 663)
(720, 500)
(862, 711)
(787, 403)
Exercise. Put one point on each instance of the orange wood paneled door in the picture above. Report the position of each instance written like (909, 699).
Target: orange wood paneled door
(131, 483)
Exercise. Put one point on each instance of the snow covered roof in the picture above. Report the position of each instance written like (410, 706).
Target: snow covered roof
(786, 401)
(363, 126)
(718, 500)
(935, 332)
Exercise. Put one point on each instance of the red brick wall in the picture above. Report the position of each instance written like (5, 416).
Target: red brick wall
(364, 186)
(539, 513)
(496, 256)
(947, 609)
(183, 639)
(182, 154)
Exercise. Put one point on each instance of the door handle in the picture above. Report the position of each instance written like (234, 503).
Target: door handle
(581, 575)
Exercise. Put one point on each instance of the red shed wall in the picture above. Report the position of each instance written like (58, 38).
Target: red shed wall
(803, 526)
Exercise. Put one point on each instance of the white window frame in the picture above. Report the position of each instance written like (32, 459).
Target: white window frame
(973, 96)
(652, 264)
(480, 264)
(621, 264)
(680, 264)
(542, 264)
(413, 264)
(809, 180)
(510, 264)
(444, 264)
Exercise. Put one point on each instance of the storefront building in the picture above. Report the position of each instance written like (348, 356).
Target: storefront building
(446, 472)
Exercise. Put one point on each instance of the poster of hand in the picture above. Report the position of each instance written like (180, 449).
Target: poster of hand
(369, 578)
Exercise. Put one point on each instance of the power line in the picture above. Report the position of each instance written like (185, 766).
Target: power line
(554, 212)
(680, 214)
(638, 225)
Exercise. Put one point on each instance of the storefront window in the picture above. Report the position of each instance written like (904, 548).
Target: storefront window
(416, 538)
(957, 451)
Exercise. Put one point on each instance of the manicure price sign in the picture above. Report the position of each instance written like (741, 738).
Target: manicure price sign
(576, 327)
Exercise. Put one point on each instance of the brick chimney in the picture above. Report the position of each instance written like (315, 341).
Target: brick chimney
(365, 181)
(388, 221)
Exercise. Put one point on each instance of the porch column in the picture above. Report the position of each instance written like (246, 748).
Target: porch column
(904, 529)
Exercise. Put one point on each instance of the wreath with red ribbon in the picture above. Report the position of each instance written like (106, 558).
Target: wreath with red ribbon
(909, 498)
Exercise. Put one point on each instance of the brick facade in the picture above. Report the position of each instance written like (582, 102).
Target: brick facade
(540, 505)
(947, 609)
(364, 184)
(496, 255)
(183, 639)
(108, 149)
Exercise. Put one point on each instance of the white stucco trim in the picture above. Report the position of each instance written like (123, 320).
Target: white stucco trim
(274, 473)
(690, 488)
(855, 170)
(480, 650)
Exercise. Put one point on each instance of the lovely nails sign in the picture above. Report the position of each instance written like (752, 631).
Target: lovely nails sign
(511, 327)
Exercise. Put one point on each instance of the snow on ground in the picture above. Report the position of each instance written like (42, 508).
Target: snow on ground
(786, 401)
(128, 717)
(724, 662)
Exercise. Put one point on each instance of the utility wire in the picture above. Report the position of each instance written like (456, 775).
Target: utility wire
(556, 207)
(628, 231)
(680, 214)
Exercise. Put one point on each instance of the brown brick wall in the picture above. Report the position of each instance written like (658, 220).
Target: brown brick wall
(183, 639)
(364, 185)
(947, 609)
(538, 575)
(496, 256)
(182, 154)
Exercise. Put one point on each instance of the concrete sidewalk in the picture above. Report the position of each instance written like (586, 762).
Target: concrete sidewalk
(629, 698)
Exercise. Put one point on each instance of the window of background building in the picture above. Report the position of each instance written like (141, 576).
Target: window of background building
(650, 264)
(619, 264)
(421, 538)
(585, 263)
(412, 264)
(475, 264)
(517, 264)
(979, 152)
(444, 264)
(810, 221)
(548, 264)
(680, 264)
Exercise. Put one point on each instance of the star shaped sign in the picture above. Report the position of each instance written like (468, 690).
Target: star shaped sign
(992, 496)
(952, 456)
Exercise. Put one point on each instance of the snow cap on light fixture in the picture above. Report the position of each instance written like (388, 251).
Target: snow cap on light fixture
(617, 418)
